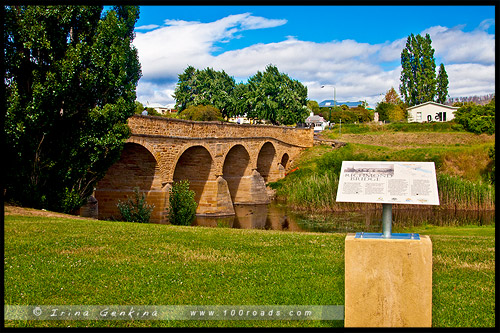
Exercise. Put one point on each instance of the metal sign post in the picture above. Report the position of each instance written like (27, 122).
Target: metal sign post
(386, 220)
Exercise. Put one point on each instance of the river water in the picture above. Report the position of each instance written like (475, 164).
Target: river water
(276, 216)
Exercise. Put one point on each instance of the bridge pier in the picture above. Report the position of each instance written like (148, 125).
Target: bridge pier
(215, 200)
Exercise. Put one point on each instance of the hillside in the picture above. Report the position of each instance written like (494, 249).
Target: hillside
(480, 100)
(462, 160)
(456, 153)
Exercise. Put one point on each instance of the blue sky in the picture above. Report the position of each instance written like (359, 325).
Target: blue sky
(354, 48)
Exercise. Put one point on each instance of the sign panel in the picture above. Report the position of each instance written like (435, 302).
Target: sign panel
(410, 183)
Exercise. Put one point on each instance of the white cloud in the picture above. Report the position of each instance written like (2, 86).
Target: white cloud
(150, 93)
(147, 27)
(168, 50)
(486, 24)
(250, 22)
(456, 46)
(360, 71)
(470, 79)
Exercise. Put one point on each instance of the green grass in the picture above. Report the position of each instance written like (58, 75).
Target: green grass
(61, 261)
(444, 127)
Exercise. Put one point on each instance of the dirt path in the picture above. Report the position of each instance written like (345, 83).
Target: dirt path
(14, 210)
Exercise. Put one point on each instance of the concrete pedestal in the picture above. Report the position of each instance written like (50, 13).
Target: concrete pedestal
(388, 282)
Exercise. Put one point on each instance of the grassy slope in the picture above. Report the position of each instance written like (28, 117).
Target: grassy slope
(455, 153)
(52, 260)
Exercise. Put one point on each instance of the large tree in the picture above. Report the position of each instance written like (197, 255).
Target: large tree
(205, 87)
(442, 85)
(392, 107)
(275, 97)
(418, 74)
(70, 74)
(392, 97)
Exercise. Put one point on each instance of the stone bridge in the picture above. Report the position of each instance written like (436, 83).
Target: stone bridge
(224, 163)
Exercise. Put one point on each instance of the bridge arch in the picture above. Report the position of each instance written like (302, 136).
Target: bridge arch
(196, 165)
(284, 160)
(266, 160)
(137, 168)
(236, 167)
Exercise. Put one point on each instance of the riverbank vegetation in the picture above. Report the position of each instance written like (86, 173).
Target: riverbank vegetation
(464, 164)
(66, 260)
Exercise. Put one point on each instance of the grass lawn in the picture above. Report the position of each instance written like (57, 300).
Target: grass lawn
(53, 260)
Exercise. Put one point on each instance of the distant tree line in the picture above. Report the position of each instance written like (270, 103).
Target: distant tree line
(482, 100)
(270, 95)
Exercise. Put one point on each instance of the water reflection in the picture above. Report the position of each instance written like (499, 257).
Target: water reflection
(269, 217)
(276, 216)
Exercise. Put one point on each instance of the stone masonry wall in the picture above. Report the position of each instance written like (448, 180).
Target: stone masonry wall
(211, 129)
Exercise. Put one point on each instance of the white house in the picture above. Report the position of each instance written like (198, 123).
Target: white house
(318, 122)
(240, 120)
(431, 111)
(161, 108)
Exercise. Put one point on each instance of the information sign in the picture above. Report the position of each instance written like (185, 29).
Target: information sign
(411, 183)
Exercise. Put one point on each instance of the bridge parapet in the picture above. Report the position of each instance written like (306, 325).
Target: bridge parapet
(160, 126)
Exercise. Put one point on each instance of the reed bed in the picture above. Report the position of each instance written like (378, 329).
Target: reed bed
(462, 194)
(318, 192)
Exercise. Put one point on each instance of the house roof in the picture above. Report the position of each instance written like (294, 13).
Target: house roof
(315, 118)
(331, 103)
(434, 103)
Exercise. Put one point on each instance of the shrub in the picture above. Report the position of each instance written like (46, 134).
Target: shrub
(201, 113)
(491, 174)
(71, 201)
(477, 118)
(182, 204)
(136, 209)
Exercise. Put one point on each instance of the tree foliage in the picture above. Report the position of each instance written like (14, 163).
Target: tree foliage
(477, 118)
(390, 112)
(392, 97)
(313, 106)
(275, 97)
(268, 95)
(205, 87)
(201, 113)
(70, 75)
(442, 85)
(392, 107)
(418, 74)
(348, 115)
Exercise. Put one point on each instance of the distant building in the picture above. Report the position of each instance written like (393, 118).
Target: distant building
(161, 108)
(240, 120)
(431, 111)
(330, 103)
(319, 123)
